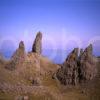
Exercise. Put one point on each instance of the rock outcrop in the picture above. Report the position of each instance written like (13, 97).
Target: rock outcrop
(37, 45)
(76, 68)
(19, 53)
(68, 73)
(17, 58)
(1, 59)
(87, 64)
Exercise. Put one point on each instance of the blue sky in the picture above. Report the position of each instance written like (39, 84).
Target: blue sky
(65, 24)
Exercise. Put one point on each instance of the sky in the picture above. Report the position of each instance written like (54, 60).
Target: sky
(65, 24)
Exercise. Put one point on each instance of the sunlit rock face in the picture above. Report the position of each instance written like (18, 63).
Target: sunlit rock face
(37, 45)
(88, 68)
(68, 73)
(17, 58)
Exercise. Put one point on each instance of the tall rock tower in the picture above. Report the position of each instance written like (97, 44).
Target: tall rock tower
(37, 45)
(87, 64)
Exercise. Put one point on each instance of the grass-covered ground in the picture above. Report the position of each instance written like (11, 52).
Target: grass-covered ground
(48, 88)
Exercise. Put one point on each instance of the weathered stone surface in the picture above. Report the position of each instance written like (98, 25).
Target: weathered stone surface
(17, 58)
(76, 68)
(88, 68)
(37, 45)
(19, 53)
(68, 73)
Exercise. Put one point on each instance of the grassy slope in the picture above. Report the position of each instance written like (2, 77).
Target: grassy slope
(54, 90)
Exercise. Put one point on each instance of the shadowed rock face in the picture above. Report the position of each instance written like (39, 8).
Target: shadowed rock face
(68, 73)
(88, 68)
(78, 68)
(37, 45)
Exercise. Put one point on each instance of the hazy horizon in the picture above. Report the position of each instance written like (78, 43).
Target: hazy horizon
(65, 24)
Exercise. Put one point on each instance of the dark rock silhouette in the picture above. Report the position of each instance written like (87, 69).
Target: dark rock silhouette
(37, 45)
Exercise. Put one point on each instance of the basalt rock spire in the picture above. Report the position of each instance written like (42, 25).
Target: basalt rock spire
(37, 45)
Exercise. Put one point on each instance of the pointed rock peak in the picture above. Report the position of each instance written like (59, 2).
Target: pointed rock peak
(88, 68)
(68, 74)
(89, 49)
(73, 55)
(76, 51)
(37, 45)
(21, 45)
(20, 51)
(39, 35)
(17, 58)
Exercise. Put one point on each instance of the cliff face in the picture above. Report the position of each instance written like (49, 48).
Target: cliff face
(76, 68)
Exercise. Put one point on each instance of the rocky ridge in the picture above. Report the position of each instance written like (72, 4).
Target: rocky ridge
(31, 72)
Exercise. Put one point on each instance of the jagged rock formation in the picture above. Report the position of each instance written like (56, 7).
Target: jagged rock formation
(18, 57)
(37, 45)
(87, 64)
(78, 68)
(67, 74)
(31, 76)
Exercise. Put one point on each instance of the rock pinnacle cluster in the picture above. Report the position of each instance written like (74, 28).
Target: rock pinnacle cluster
(76, 68)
